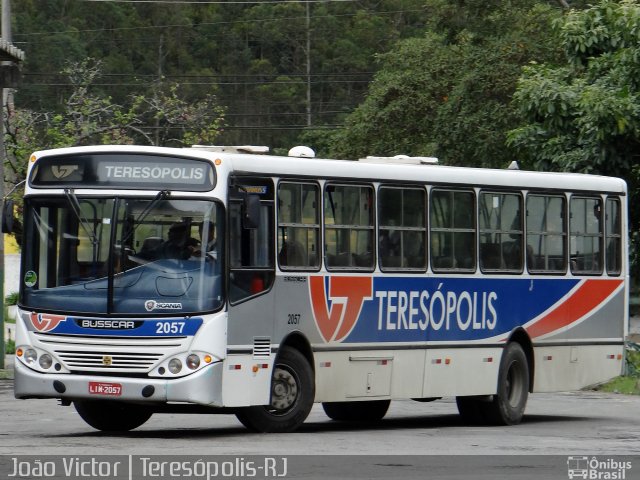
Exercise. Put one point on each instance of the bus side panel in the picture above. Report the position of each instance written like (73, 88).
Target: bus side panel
(574, 367)
(246, 378)
(461, 371)
(251, 319)
(246, 381)
(293, 309)
(587, 352)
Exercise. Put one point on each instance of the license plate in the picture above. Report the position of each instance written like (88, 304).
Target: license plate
(108, 389)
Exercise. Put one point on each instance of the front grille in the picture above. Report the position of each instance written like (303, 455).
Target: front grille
(129, 361)
(111, 355)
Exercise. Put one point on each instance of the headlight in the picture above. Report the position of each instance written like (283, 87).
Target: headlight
(45, 361)
(175, 366)
(30, 356)
(193, 361)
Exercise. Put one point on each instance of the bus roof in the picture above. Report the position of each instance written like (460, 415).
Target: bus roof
(394, 172)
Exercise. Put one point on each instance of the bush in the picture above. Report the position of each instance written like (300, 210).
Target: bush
(10, 347)
(633, 360)
(11, 299)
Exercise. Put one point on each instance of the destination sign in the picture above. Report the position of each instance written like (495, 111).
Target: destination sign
(126, 170)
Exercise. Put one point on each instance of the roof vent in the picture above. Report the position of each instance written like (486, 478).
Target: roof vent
(513, 166)
(404, 159)
(302, 152)
(233, 148)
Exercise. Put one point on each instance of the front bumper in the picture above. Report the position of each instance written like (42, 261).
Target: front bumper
(203, 387)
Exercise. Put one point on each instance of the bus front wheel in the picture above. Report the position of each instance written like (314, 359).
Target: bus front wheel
(292, 395)
(111, 416)
(367, 411)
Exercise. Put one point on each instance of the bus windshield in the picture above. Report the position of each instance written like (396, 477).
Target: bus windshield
(96, 255)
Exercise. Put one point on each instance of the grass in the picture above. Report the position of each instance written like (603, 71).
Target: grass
(630, 382)
(625, 384)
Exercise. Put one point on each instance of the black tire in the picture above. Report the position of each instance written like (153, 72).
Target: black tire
(111, 416)
(292, 395)
(507, 406)
(366, 411)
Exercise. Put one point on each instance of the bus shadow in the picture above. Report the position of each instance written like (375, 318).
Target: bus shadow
(422, 422)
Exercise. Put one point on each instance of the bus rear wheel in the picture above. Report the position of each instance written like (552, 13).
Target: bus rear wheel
(292, 395)
(111, 416)
(367, 411)
(507, 406)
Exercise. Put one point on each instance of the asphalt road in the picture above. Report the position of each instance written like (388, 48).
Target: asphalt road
(554, 424)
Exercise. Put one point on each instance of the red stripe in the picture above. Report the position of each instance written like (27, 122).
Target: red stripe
(590, 294)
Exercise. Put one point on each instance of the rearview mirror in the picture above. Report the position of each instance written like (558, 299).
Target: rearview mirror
(251, 212)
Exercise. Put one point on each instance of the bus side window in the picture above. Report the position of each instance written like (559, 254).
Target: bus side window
(349, 227)
(298, 226)
(501, 236)
(546, 234)
(613, 232)
(402, 228)
(453, 232)
(586, 235)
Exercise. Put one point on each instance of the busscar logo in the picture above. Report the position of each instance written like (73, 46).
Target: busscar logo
(107, 324)
(63, 171)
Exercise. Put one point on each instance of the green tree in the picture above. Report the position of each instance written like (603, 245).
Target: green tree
(583, 115)
(448, 93)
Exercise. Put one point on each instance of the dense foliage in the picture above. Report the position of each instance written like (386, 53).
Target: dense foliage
(447, 93)
(253, 57)
(584, 114)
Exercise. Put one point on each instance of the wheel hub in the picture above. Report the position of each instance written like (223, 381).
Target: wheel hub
(284, 390)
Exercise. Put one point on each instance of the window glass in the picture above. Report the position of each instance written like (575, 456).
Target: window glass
(251, 246)
(402, 231)
(614, 236)
(133, 255)
(586, 235)
(453, 236)
(501, 236)
(546, 234)
(349, 227)
(298, 226)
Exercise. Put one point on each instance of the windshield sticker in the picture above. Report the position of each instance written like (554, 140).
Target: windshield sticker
(30, 278)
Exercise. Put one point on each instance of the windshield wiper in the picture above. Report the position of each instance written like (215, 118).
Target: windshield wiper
(86, 226)
(162, 195)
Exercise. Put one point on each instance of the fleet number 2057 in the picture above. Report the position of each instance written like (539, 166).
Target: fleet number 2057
(163, 328)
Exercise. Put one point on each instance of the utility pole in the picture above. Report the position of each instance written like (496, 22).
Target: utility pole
(308, 4)
(6, 30)
(10, 57)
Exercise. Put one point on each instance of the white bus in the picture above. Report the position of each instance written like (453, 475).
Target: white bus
(214, 280)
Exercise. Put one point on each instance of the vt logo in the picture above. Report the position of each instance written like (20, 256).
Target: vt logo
(63, 171)
(347, 294)
(45, 322)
